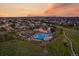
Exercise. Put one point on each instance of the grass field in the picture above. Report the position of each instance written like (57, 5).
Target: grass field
(73, 34)
(56, 47)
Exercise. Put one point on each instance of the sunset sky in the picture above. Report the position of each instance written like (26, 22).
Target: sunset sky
(38, 9)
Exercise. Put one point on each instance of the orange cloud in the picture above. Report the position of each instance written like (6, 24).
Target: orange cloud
(49, 9)
(60, 10)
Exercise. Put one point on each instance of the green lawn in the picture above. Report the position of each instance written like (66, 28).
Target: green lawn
(56, 47)
(73, 34)
(17, 47)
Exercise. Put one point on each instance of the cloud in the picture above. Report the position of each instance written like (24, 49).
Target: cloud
(62, 10)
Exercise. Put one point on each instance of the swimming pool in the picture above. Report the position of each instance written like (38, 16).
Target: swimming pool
(40, 36)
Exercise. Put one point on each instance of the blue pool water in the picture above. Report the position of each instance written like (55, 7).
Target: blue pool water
(40, 36)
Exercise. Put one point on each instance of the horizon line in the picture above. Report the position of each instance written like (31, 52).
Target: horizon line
(39, 16)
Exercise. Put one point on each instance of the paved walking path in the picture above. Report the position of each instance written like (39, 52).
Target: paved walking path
(71, 46)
